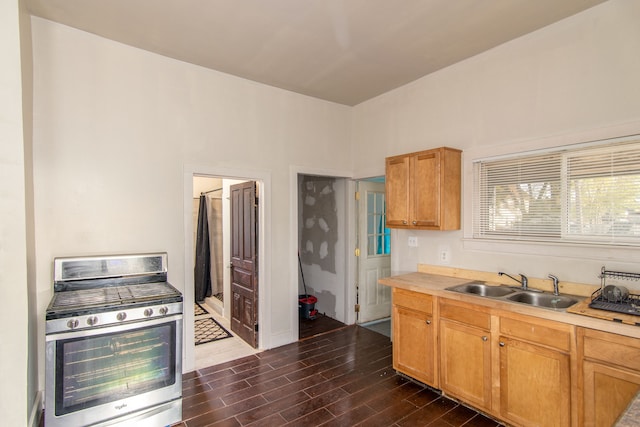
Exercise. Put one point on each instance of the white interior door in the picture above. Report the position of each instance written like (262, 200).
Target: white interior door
(374, 261)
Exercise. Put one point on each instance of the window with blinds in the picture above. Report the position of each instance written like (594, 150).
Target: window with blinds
(588, 193)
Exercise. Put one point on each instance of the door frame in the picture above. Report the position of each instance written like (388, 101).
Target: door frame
(263, 179)
(349, 279)
(361, 241)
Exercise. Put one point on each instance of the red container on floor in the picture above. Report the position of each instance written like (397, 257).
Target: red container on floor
(306, 306)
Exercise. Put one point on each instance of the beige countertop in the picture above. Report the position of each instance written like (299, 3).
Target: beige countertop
(436, 285)
(631, 416)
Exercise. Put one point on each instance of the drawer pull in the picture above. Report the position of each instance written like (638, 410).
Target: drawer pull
(484, 338)
(428, 322)
(501, 344)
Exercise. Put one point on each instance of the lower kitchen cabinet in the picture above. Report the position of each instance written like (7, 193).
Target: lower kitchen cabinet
(610, 374)
(465, 353)
(524, 370)
(535, 371)
(535, 386)
(414, 338)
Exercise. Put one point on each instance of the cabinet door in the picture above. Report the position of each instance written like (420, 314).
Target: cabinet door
(535, 386)
(397, 190)
(414, 345)
(465, 363)
(607, 392)
(426, 189)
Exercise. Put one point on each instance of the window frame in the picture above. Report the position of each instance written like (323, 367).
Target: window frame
(479, 220)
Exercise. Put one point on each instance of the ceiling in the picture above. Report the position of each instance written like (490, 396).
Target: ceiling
(345, 51)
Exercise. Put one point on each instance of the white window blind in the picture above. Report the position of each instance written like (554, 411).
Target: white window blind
(586, 193)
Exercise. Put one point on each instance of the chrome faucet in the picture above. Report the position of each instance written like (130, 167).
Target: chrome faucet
(524, 281)
(556, 290)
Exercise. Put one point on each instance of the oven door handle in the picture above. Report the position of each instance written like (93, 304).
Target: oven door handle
(125, 326)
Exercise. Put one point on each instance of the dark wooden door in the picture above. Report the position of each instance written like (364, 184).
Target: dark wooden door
(244, 262)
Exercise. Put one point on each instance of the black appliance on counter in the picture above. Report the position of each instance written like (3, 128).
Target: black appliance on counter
(113, 343)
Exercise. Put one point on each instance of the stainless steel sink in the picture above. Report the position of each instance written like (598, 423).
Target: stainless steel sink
(539, 299)
(506, 293)
(482, 289)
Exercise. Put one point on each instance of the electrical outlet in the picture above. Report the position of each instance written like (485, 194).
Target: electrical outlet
(413, 242)
(444, 254)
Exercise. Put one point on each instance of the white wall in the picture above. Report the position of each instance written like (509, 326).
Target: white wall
(19, 398)
(117, 127)
(573, 80)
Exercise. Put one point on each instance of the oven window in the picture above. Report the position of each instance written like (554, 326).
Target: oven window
(94, 370)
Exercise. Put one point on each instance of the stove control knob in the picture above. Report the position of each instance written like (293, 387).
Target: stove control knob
(148, 312)
(164, 310)
(92, 320)
(121, 316)
(73, 323)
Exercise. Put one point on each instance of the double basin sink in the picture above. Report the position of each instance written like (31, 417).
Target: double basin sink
(507, 293)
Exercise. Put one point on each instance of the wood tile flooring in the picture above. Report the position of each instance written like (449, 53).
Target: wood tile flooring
(338, 378)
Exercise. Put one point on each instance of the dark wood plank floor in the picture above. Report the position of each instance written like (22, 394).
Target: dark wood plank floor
(321, 324)
(338, 378)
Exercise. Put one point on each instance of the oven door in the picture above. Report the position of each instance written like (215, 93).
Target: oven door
(106, 373)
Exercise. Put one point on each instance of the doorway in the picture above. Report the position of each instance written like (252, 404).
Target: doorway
(374, 257)
(322, 252)
(216, 195)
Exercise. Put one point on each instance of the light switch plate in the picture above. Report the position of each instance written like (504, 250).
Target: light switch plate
(413, 242)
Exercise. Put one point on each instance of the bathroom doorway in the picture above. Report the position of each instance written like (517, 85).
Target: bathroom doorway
(212, 306)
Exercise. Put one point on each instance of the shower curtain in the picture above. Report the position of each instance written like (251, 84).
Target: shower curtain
(202, 269)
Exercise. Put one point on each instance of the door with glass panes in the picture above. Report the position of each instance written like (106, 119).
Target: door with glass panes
(374, 261)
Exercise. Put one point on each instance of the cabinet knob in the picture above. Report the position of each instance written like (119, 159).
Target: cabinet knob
(414, 222)
(428, 322)
(484, 338)
(404, 222)
(501, 344)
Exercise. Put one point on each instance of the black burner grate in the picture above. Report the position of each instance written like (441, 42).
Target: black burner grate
(111, 295)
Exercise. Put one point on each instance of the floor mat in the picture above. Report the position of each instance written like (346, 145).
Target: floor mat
(199, 310)
(208, 330)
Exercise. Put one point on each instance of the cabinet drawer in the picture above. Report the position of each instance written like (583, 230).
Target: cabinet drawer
(535, 331)
(413, 300)
(464, 313)
(612, 349)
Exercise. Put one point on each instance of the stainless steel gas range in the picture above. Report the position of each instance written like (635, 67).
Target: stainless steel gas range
(113, 343)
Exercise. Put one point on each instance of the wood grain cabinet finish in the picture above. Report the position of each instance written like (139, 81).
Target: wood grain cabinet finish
(610, 375)
(518, 368)
(465, 353)
(414, 338)
(423, 190)
(535, 371)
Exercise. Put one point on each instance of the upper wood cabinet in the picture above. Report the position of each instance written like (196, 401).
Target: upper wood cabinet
(423, 190)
